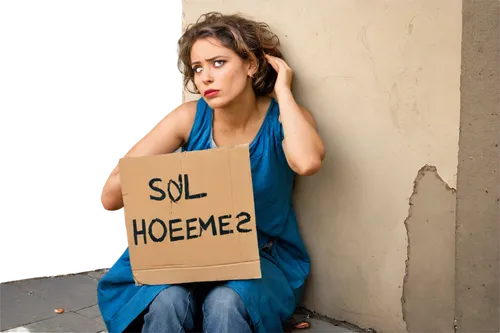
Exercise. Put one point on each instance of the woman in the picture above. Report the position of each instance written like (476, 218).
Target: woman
(235, 64)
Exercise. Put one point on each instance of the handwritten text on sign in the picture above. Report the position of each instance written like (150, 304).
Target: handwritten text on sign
(178, 229)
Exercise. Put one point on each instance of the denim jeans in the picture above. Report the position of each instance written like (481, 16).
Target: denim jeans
(207, 307)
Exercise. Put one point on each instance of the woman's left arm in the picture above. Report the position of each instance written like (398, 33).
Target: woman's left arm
(303, 147)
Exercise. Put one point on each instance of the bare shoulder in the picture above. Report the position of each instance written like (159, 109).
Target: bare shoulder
(307, 114)
(182, 118)
(186, 110)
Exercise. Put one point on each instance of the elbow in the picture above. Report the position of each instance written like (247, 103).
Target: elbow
(106, 203)
(313, 164)
(322, 153)
(308, 168)
(111, 195)
(110, 203)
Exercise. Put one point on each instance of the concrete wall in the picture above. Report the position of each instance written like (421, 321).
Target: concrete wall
(478, 196)
(382, 79)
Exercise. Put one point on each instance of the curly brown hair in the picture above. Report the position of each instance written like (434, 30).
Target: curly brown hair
(249, 39)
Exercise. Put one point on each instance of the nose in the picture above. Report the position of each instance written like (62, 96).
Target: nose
(206, 76)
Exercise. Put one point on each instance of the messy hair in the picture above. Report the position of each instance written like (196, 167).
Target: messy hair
(249, 39)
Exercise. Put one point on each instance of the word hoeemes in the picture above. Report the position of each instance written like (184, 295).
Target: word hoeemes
(187, 229)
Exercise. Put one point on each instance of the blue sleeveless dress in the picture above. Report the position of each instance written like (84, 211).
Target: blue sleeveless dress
(270, 300)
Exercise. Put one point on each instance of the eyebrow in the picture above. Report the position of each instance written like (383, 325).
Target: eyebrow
(209, 59)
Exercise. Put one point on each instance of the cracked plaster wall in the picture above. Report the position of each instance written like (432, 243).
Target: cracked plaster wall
(382, 80)
(429, 287)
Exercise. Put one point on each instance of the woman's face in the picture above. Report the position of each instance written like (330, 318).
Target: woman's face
(219, 73)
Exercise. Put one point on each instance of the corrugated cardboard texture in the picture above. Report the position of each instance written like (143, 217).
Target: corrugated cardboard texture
(190, 216)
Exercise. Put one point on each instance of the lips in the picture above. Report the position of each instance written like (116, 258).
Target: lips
(211, 92)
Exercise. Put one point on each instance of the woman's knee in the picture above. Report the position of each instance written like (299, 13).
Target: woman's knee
(170, 311)
(173, 298)
(223, 299)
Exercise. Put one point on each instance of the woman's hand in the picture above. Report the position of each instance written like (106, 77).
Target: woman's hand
(285, 74)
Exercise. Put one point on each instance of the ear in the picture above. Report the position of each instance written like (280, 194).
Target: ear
(252, 67)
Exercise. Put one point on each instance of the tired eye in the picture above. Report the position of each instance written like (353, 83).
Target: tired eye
(217, 63)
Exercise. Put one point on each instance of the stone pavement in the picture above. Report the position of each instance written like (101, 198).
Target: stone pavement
(29, 306)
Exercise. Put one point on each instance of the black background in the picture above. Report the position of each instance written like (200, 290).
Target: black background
(97, 73)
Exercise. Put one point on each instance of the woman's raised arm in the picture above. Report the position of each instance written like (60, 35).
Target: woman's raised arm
(166, 137)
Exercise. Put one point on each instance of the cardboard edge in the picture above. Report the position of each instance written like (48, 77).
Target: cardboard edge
(168, 275)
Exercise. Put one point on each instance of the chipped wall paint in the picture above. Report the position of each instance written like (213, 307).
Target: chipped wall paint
(429, 285)
(382, 80)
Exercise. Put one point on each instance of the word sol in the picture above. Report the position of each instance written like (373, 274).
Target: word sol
(174, 195)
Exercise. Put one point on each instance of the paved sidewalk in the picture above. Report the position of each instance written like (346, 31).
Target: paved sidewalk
(29, 306)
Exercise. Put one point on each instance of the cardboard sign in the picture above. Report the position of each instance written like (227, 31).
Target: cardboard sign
(190, 216)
